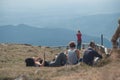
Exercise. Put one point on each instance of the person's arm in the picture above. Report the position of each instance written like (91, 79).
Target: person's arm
(43, 62)
(66, 53)
(37, 62)
(78, 54)
(96, 54)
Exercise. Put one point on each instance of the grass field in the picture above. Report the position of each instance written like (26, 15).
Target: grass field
(12, 65)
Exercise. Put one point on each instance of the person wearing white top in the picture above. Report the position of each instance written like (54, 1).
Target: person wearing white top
(73, 54)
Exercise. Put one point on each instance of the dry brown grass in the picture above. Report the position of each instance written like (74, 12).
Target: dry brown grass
(12, 66)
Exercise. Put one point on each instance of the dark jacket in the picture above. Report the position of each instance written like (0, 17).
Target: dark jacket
(89, 55)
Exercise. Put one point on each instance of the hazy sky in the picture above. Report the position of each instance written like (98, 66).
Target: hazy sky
(58, 6)
(11, 10)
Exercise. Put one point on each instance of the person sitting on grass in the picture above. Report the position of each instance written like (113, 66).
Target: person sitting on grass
(90, 54)
(73, 54)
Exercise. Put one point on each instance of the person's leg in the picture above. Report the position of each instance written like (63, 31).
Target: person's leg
(96, 60)
(60, 60)
(81, 60)
(79, 45)
(115, 37)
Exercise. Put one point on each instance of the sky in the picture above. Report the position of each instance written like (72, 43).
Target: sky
(18, 11)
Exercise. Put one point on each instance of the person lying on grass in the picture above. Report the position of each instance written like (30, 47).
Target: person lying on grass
(39, 62)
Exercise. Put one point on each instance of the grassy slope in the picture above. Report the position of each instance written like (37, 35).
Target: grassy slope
(12, 66)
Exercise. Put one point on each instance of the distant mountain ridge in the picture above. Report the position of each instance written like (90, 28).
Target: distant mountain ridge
(25, 34)
(93, 25)
(105, 24)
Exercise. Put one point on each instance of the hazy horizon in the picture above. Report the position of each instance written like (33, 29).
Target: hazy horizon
(63, 14)
(20, 11)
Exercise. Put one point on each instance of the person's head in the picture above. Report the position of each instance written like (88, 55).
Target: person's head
(78, 31)
(92, 44)
(72, 44)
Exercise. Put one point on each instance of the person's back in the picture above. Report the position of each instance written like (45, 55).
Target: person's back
(79, 36)
(72, 53)
(72, 56)
(90, 54)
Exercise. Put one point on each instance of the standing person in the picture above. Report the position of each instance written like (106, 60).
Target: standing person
(79, 39)
(90, 54)
(73, 54)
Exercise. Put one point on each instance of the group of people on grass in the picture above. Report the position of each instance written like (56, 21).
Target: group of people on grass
(70, 57)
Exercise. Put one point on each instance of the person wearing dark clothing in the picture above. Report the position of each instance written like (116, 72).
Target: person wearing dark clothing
(60, 60)
(29, 62)
(90, 54)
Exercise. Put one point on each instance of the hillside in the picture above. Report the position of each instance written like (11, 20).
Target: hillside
(12, 65)
(25, 34)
